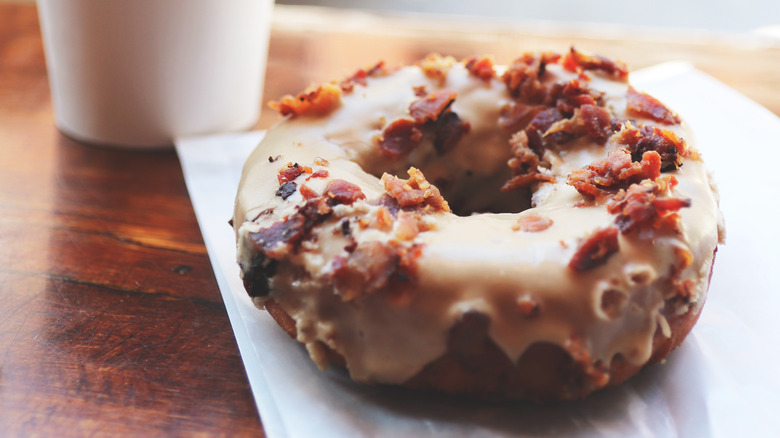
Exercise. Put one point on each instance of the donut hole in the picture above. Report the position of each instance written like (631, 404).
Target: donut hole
(473, 194)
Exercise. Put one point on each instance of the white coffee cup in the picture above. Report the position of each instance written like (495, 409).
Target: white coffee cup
(139, 73)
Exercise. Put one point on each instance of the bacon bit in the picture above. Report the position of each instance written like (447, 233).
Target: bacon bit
(448, 131)
(273, 159)
(574, 95)
(516, 115)
(339, 191)
(286, 190)
(367, 270)
(307, 192)
(289, 173)
(669, 146)
(436, 66)
(598, 122)
(388, 202)
(282, 237)
(521, 181)
(272, 241)
(595, 250)
(383, 220)
(314, 100)
(359, 78)
(399, 138)
(482, 68)
(522, 78)
(322, 173)
(588, 119)
(416, 191)
(319, 161)
(528, 307)
(432, 106)
(525, 164)
(406, 225)
(604, 177)
(540, 124)
(430, 113)
(648, 206)
(577, 61)
(420, 91)
(644, 105)
(532, 223)
(399, 294)
(375, 266)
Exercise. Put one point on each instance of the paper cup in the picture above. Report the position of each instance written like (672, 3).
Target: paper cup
(140, 73)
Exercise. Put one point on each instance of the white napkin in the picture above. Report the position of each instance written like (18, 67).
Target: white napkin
(721, 382)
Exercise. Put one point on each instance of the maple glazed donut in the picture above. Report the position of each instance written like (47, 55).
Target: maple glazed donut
(535, 231)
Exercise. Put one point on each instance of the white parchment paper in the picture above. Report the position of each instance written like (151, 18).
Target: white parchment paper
(721, 382)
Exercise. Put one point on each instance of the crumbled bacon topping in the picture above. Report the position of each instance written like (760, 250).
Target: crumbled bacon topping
(648, 206)
(617, 171)
(522, 78)
(406, 225)
(595, 250)
(322, 173)
(666, 143)
(525, 164)
(339, 191)
(532, 223)
(286, 190)
(366, 270)
(578, 62)
(481, 68)
(280, 236)
(573, 95)
(430, 107)
(540, 124)
(371, 267)
(307, 192)
(644, 105)
(589, 120)
(314, 100)
(382, 220)
(436, 66)
(431, 114)
(399, 138)
(359, 78)
(516, 115)
(290, 172)
(321, 161)
(415, 192)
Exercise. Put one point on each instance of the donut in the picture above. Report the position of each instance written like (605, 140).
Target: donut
(533, 231)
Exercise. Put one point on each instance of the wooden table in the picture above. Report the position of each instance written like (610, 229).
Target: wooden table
(110, 318)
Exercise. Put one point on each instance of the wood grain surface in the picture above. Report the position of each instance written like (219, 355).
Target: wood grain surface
(110, 317)
(111, 322)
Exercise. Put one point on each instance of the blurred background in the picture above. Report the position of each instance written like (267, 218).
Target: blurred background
(720, 16)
